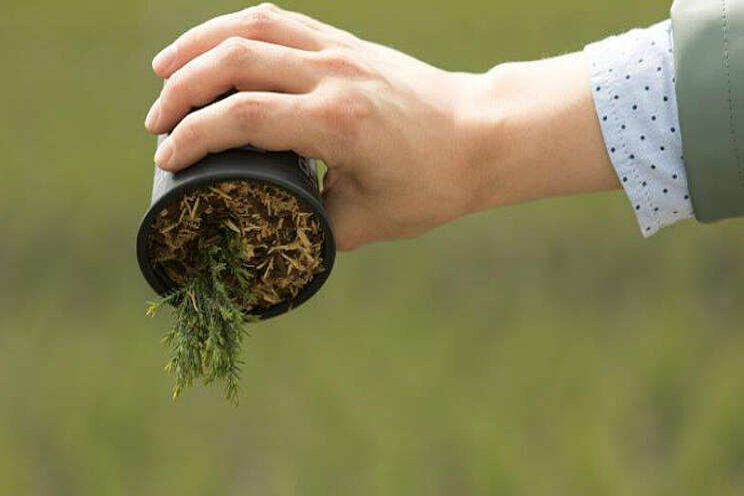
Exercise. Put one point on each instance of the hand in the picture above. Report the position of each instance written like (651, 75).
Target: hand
(391, 129)
(408, 146)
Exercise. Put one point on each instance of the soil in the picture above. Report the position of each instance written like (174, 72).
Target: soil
(282, 239)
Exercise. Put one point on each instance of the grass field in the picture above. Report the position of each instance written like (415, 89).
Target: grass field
(537, 349)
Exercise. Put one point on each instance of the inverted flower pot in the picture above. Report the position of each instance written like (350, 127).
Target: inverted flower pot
(284, 170)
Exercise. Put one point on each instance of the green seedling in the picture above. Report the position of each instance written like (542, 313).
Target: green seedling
(229, 249)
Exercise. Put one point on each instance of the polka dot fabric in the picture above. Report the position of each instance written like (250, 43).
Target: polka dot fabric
(633, 88)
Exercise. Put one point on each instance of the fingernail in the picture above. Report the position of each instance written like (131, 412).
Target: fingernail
(163, 61)
(164, 154)
(153, 115)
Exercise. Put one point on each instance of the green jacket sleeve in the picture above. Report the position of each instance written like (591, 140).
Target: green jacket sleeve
(709, 66)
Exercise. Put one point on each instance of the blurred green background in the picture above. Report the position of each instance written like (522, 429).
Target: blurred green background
(538, 349)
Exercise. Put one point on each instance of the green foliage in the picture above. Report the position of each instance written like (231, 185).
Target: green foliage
(208, 323)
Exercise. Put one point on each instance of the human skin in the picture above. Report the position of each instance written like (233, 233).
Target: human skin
(409, 146)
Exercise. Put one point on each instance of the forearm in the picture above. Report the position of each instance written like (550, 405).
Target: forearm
(536, 134)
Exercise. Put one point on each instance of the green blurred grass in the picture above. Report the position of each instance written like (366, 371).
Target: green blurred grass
(539, 349)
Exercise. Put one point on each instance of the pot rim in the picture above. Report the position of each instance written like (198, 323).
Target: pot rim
(162, 285)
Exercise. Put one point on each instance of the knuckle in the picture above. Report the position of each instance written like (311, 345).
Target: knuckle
(260, 19)
(235, 49)
(346, 39)
(267, 7)
(324, 112)
(247, 111)
(345, 113)
(340, 62)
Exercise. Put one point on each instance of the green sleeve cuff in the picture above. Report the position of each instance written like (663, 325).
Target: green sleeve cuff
(709, 67)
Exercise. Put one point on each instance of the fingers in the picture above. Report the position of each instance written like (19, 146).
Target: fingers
(271, 121)
(237, 63)
(262, 23)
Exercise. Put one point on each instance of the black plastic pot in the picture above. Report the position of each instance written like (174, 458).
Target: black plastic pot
(285, 170)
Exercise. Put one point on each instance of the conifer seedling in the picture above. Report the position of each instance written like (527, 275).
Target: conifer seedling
(230, 249)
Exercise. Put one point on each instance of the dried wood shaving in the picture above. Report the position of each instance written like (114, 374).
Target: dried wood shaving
(282, 238)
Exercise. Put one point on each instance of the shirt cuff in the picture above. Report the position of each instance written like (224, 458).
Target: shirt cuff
(633, 88)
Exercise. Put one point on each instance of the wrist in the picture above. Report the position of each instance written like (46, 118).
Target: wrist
(489, 130)
(533, 133)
